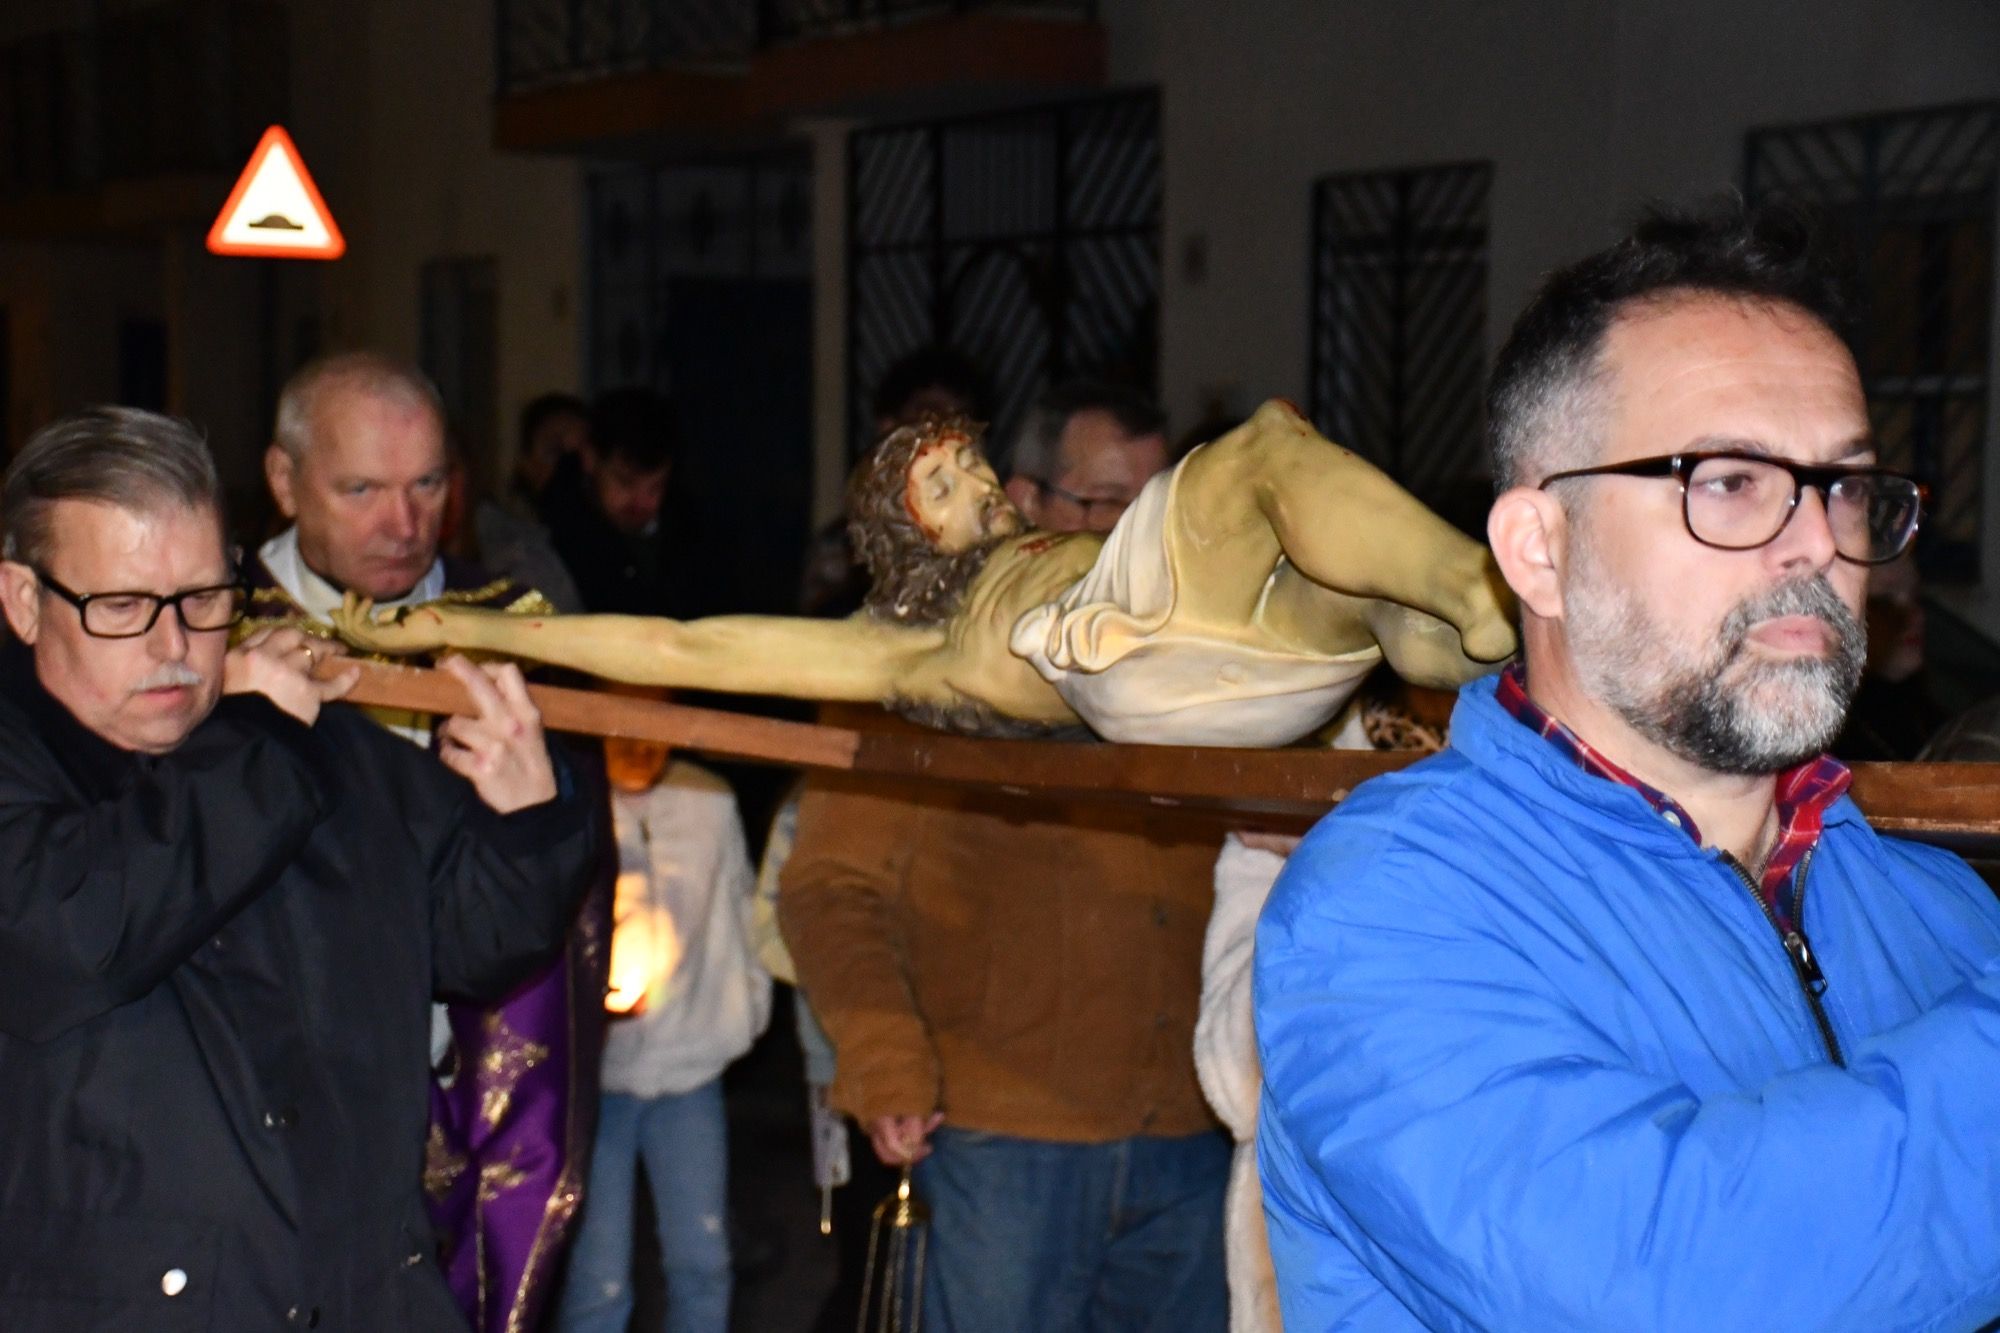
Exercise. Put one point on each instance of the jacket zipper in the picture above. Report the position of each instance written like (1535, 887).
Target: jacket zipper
(1805, 967)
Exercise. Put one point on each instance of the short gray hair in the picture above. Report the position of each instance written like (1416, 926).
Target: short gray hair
(372, 374)
(1037, 451)
(1547, 404)
(1551, 416)
(136, 460)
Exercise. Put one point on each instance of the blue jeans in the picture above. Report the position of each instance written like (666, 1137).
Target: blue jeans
(683, 1140)
(1053, 1237)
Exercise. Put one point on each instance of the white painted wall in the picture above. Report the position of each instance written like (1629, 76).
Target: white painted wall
(1586, 108)
(828, 137)
(65, 302)
(396, 97)
(391, 106)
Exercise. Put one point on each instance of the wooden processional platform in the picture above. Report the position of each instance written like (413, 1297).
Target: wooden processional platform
(1955, 805)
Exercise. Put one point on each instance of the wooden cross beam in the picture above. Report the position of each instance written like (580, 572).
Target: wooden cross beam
(1954, 804)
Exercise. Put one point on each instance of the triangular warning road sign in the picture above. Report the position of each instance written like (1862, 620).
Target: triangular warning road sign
(275, 211)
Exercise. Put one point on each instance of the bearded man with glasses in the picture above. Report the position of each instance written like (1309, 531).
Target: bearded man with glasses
(1617, 1014)
(223, 919)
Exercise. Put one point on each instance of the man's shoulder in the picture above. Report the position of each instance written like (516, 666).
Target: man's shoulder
(691, 789)
(1415, 829)
(685, 777)
(374, 764)
(467, 583)
(270, 603)
(1434, 800)
(690, 806)
(1888, 861)
(23, 750)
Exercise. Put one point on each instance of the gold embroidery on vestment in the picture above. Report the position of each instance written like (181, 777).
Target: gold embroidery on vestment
(508, 1056)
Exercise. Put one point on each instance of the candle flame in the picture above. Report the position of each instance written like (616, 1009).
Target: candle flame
(645, 948)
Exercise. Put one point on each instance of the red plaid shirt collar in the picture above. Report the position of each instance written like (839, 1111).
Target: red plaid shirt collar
(1804, 793)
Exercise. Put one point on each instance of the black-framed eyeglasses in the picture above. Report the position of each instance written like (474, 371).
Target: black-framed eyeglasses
(127, 615)
(1740, 501)
(1094, 509)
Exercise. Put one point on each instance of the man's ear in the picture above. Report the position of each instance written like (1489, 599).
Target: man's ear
(281, 475)
(1027, 498)
(20, 597)
(1528, 530)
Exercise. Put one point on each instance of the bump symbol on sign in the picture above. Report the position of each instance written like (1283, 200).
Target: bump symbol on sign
(275, 211)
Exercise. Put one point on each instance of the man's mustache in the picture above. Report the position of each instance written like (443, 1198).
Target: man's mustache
(1811, 596)
(168, 675)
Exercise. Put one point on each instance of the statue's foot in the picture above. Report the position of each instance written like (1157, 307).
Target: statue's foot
(1489, 641)
(1486, 631)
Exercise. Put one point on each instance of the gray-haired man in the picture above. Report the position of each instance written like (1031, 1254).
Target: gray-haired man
(1084, 454)
(223, 919)
(359, 464)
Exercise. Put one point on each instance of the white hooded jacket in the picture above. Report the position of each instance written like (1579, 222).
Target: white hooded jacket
(683, 911)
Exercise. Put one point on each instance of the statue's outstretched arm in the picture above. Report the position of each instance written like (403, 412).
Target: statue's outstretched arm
(857, 659)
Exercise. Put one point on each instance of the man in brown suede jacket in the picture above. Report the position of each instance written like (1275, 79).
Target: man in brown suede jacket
(1011, 990)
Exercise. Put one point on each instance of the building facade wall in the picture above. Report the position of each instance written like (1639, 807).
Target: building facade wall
(404, 117)
(1586, 108)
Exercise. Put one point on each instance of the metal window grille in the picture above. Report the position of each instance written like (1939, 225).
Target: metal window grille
(784, 20)
(1912, 195)
(649, 225)
(130, 92)
(1028, 240)
(1399, 320)
(545, 42)
(541, 43)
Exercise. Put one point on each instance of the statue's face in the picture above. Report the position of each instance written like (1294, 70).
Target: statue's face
(955, 498)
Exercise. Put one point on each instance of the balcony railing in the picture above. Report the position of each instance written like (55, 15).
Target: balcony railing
(543, 43)
(181, 86)
(803, 20)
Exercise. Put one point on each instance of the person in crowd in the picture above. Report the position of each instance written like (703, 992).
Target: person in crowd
(606, 525)
(834, 584)
(223, 919)
(554, 427)
(1011, 995)
(693, 998)
(1895, 711)
(934, 381)
(1618, 1014)
(494, 537)
(359, 468)
(1384, 715)
(1085, 452)
(1970, 736)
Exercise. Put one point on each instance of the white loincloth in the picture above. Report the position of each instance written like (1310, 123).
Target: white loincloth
(1108, 648)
